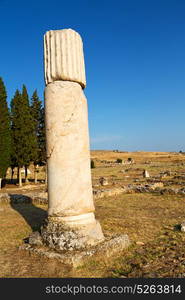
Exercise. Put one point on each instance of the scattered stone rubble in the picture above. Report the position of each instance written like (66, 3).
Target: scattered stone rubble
(146, 174)
(41, 197)
(30, 197)
(103, 181)
(108, 248)
(183, 226)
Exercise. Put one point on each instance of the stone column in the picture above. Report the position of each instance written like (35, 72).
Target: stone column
(71, 223)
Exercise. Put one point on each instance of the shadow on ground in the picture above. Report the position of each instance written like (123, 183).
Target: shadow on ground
(16, 182)
(33, 215)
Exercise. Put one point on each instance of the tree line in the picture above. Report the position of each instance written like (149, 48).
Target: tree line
(22, 132)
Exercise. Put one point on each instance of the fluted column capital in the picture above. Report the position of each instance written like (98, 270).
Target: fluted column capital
(63, 57)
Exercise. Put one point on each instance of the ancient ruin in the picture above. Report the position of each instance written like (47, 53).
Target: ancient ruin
(71, 223)
(70, 227)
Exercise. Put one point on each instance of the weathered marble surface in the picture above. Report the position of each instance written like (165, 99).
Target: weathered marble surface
(71, 223)
(68, 157)
(63, 56)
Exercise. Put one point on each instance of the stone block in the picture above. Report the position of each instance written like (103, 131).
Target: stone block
(63, 57)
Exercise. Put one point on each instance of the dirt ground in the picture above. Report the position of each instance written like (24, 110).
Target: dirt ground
(151, 220)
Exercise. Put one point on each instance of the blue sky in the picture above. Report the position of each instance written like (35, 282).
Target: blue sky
(135, 64)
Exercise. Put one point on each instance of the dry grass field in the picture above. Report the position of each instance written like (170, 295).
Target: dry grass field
(150, 219)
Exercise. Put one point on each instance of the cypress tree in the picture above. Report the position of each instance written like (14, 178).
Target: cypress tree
(36, 111)
(42, 142)
(13, 161)
(17, 158)
(42, 137)
(23, 130)
(31, 140)
(5, 137)
(39, 128)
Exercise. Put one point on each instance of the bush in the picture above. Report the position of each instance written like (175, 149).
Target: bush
(92, 164)
(119, 160)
